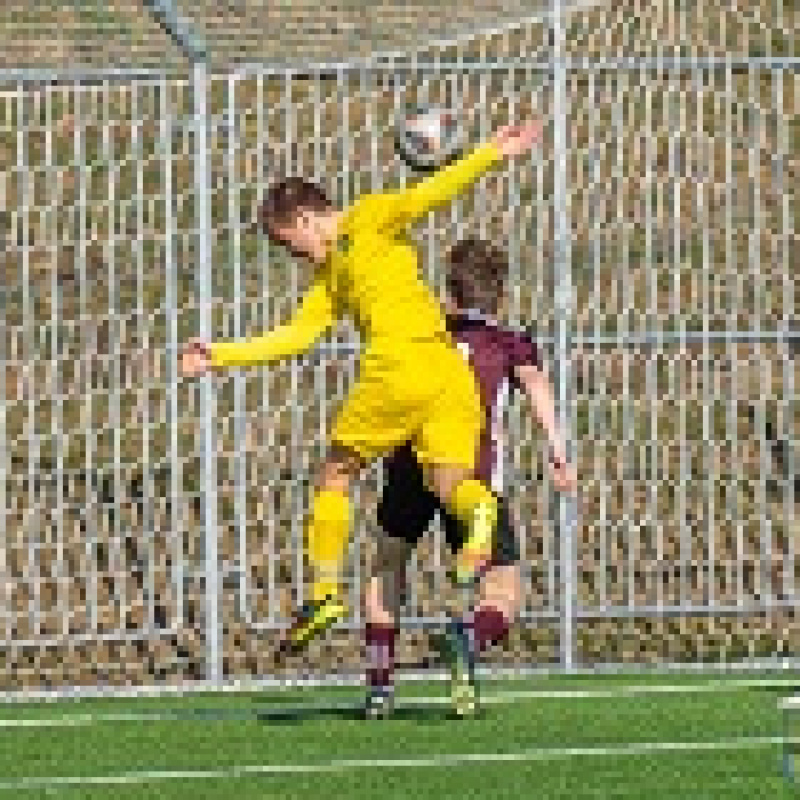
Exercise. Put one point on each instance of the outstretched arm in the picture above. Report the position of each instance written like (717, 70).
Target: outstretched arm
(312, 319)
(430, 193)
(539, 391)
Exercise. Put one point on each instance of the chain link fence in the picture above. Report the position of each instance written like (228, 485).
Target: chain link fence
(151, 528)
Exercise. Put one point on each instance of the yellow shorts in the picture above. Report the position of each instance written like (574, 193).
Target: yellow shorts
(425, 394)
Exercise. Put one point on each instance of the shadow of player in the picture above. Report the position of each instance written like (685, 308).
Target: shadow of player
(350, 712)
(289, 714)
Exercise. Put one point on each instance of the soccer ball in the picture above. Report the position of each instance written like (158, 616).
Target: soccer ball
(429, 138)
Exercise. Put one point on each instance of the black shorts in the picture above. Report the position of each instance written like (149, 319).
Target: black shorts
(407, 508)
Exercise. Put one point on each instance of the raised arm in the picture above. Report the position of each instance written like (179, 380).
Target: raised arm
(312, 319)
(415, 202)
(430, 193)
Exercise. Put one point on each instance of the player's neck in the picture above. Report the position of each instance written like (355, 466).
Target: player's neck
(332, 229)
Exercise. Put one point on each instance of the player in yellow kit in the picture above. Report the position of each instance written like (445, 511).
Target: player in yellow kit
(413, 384)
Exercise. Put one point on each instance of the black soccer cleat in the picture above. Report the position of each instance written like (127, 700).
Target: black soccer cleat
(379, 704)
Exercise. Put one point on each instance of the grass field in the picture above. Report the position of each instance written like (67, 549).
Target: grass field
(654, 737)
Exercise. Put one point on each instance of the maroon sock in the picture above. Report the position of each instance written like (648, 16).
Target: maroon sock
(379, 640)
(488, 627)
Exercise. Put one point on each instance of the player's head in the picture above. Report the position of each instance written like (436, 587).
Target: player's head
(476, 275)
(298, 214)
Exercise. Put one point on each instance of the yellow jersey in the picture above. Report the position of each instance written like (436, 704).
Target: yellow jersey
(370, 275)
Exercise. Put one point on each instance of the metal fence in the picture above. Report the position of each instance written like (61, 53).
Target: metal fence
(151, 528)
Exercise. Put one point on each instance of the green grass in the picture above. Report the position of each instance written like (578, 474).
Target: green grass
(222, 732)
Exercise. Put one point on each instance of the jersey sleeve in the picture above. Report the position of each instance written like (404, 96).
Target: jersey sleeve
(415, 202)
(312, 319)
(521, 351)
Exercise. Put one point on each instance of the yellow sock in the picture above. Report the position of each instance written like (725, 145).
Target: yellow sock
(326, 538)
(470, 495)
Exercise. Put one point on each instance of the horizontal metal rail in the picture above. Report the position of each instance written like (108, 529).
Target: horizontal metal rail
(334, 69)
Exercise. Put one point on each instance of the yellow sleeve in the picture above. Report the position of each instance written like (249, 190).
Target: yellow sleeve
(427, 194)
(312, 319)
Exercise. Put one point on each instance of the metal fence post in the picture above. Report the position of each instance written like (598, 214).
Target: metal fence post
(562, 265)
(207, 402)
(180, 30)
(5, 606)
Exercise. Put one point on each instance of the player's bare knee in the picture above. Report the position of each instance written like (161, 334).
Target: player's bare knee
(502, 588)
(443, 480)
(376, 609)
(340, 468)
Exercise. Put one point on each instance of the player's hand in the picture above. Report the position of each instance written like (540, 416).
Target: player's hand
(196, 359)
(565, 478)
(514, 140)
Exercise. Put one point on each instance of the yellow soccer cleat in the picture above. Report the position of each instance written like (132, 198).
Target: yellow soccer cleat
(311, 621)
(455, 650)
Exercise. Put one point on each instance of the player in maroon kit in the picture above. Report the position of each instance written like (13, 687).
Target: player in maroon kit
(503, 359)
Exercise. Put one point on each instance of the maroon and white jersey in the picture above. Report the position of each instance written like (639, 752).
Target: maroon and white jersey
(494, 352)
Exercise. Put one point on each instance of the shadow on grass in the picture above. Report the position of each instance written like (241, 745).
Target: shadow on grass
(296, 714)
(349, 712)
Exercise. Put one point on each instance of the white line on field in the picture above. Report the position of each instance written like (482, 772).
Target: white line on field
(445, 760)
(636, 689)
(350, 680)
(237, 713)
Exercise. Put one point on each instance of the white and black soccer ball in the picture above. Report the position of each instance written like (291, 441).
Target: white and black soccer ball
(429, 137)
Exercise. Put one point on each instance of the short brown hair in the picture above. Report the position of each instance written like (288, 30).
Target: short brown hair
(476, 274)
(285, 200)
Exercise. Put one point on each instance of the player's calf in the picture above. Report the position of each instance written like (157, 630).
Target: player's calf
(326, 541)
(382, 600)
(473, 558)
(328, 530)
(380, 644)
(473, 503)
(477, 507)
